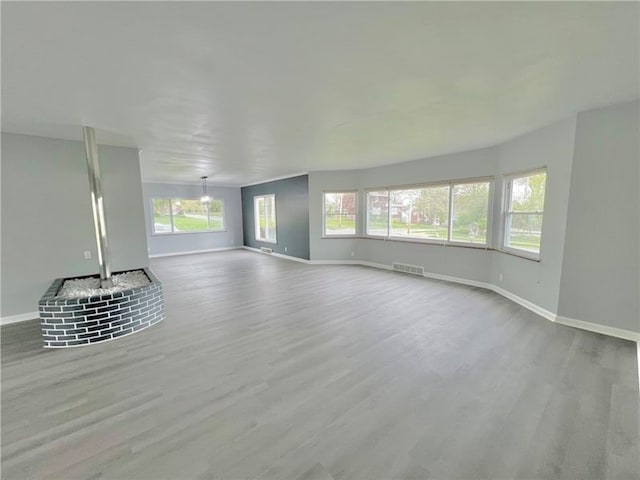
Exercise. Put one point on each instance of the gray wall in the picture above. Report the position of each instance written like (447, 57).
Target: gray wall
(192, 242)
(46, 215)
(600, 276)
(551, 146)
(332, 248)
(467, 263)
(592, 164)
(292, 215)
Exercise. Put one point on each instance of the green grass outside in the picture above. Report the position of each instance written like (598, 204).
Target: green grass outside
(428, 231)
(189, 224)
(524, 241)
(528, 242)
(337, 224)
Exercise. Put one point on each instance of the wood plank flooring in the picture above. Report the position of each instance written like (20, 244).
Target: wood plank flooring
(271, 369)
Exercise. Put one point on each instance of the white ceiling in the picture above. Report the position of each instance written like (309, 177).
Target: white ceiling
(248, 91)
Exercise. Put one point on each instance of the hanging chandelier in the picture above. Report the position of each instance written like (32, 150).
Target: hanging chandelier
(205, 196)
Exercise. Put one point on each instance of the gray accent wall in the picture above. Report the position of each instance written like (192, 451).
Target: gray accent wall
(292, 215)
(168, 244)
(47, 222)
(600, 275)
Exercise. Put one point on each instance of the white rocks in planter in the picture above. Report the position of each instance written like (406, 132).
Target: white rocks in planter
(88, 287)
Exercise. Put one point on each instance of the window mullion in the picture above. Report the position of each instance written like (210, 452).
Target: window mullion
(388, 213)
(450, 219)
(171, 215)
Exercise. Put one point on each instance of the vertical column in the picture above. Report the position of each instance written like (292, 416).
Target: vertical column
(97, 203)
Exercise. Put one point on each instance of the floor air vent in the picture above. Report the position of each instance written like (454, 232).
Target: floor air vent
(266, 250)
(405, 268)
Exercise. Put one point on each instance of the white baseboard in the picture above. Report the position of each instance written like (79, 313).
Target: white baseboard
(276, 254)
(191, 252)
(463, 281)
(595, 327)
(375, 265)
(547, 314)
(289, 257)
(523, 302)
(335, 262)
(21, 317)
(638, 355)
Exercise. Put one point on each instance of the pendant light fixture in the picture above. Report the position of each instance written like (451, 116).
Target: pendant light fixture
(205, 196)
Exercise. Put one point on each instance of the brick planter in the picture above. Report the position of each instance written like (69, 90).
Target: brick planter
(82, 321)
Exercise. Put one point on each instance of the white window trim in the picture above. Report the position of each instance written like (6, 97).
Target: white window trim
(324, 216)
(506, 205)
(434, 241)
(366, 213)
(490, 193)
(172, 232)
(256, 219)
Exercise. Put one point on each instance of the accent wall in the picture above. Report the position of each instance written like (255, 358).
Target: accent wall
(292, 215)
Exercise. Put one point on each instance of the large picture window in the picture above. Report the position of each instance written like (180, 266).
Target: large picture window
(181, 215)
(524, 212)
(469, 205)
(340, 214)
(420, 212)
(264, 214)
(452, 212)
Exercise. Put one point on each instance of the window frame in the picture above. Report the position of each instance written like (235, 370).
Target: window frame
(366, 216)
(447, 183)
(506, 212)
(487, 243)
(171, 215)
(256, 219)
(324, 215)
(418, 239)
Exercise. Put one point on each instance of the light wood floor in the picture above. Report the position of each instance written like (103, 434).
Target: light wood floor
(266, 368)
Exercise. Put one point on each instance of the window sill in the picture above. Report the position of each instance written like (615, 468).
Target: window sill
(519, 254)
(437, 243)
(168, 234)
(454, 245)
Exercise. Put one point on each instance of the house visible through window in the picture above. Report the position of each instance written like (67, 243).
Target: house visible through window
(524, 212)
(264, 213)
(340, 213)
(181, 215)
(452, 212)
(378, 213)
(421, 212)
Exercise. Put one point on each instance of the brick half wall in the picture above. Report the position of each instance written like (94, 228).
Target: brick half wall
(82, 321)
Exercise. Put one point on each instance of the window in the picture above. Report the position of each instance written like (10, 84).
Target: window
(420, 212)
(455, 212)
(181, 215)
(264, 213)
(470, 204)
(524, 212)
(378, 213)
(339, 213)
